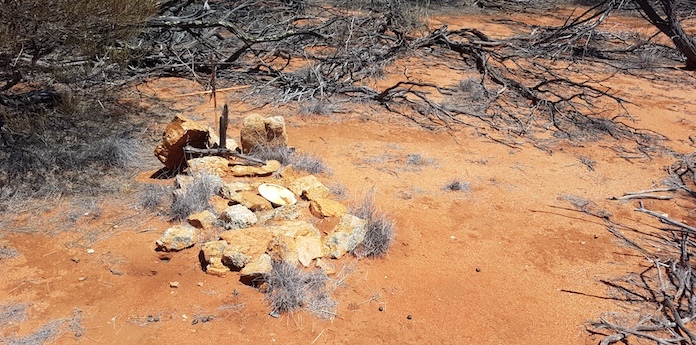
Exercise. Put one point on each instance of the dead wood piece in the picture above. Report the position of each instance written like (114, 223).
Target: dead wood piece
(224, 152)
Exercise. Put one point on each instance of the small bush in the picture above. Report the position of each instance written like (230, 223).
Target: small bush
(151, 197)
(338, 190)
(418, 160)
(7, 253)
(380, 229)
(48, 333)
(290, 289)
(287, 156)
(12, 313)
(321, 107)
(196, 196)
(473, 89)
(457, 186)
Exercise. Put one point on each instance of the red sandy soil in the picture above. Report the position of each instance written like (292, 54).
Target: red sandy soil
(494, 265)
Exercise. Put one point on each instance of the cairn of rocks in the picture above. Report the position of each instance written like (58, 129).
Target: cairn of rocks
(244, 230)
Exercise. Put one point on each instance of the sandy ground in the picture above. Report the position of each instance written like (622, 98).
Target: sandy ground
(507, 262)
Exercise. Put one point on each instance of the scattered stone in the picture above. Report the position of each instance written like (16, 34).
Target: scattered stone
(213, 249)
(230, 188)
(178, 237)
(212, 254)
(267, 169)
(260, 133)
(211, 165)
(309, 187)
(322, 207)
(219, 204)
(180, 132)
(290, 212)
(202, 220)
(478, 269)
(174, 285)
(409, 317)
(257, 266)
(252, 201)
(238, 217)
(381, 308)
(287, 172)
(200, 284)
(296, 241)
(216, 267)
(75, 259)
(90, 251)
(345, 236)
(325, 266)
(245, 244)
(82, 279)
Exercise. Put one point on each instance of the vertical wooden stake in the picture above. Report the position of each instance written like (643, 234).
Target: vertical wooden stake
(213, 86)
(223, 127)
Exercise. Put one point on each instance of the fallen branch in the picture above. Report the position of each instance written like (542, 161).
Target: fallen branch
(664, 219)
(223, 152)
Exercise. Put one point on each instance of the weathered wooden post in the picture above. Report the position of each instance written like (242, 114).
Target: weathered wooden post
(223, 127)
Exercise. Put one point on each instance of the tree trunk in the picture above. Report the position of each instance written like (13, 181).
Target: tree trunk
(671, 27)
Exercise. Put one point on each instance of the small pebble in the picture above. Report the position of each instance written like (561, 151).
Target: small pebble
(75, 259)
(82, 279)
(173, 284)
(195, 321)
(596, 236)
(183, 316)
(200, 284)
(90, 251)
(409, 317)
(381, 308)
(478, 269)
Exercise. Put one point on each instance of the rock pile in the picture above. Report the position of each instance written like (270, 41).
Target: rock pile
(250, 222)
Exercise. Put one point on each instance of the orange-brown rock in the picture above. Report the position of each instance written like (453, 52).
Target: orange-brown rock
(296, 241)
(345, 236)
(251, 201)
(202, 220)
(219, 204)
(244, 244)
(259, 133)
(212, 165)
(270, 167)
(309, 187)
(323, 207)
(180, 132)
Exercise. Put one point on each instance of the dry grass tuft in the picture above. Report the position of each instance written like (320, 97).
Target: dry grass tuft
(290, 288)
(457, 186)
(380, 229)
(195, 196)
(288, 156)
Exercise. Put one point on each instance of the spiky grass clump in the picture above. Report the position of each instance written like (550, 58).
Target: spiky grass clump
(12, 314)
(457, 186)
(380, 229)
(7, 253)
(317, 107)
(48, 333)
(196, 196)
(290, 289)
(288, 156)
(151, 197)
